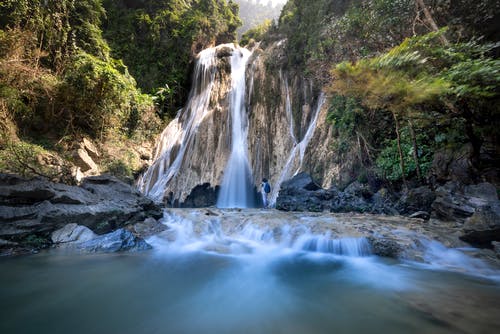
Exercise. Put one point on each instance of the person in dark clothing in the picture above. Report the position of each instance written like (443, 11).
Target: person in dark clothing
(265, 190)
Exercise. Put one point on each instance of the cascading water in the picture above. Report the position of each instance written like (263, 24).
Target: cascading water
(177, 136)
(288, 107)
(181, 160)
(237, 189)
(210, 235)
(296, 156)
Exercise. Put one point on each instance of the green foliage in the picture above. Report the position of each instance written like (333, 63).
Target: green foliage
(97, 95)
(257, 33)
(61, 27)
(158, 39)
(324, 32)
(421, 72)
(387, 162)
(474, 78)
(28, 160)
(119, 169)
(36, 241)
(345, 115)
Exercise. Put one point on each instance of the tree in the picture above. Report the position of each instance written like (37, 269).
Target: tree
(460, 76)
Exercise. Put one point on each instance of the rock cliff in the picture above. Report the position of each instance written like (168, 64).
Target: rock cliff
(286, 128)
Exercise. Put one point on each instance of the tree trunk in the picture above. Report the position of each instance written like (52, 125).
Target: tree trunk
(474, 139)
(400, 151)
(415, 150)
(430, 20)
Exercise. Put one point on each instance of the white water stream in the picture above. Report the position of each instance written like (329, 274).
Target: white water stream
(296, 157)
(179, 134)
(237, 186)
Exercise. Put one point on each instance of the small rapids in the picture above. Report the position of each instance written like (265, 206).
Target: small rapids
(249, 238)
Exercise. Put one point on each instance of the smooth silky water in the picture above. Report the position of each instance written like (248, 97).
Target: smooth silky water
(208, 282)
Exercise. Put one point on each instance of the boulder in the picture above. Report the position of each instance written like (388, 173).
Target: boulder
(82, 159)
(119, 240)
(453, 165)
(359, 189)
(301, 181)
(456, 202)
(301, 193)
(72, 233)
(203, 195)
(147, 228)
(90, 148)
(383, 202)
(483, 227)
(299, 199)
(416, 200)
(385, 247)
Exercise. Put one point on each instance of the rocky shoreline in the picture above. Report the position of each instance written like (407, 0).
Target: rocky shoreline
(31, 211)
(473, 209)
(104, 214)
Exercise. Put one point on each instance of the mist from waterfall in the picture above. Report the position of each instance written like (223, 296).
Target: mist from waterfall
(237, 189)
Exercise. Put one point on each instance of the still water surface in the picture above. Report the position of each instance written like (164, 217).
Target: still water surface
(202, 292)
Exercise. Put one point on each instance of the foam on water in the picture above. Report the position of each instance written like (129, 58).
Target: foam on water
(253, 243)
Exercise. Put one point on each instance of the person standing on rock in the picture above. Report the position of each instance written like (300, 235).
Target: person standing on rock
(265, 190)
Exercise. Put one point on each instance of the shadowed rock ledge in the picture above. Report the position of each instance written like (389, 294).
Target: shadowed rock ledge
(31, 210)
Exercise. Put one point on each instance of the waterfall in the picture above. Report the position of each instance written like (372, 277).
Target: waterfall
(296, 156)
(237, 188)
(288, 107)
(175, 139)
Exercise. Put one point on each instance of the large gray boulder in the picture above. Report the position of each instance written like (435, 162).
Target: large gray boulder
(301, 193)
(457, 202)
(72, 233)
(301, 181)
(483, 227)
(117, 241)
(203, 195)
(416, 200)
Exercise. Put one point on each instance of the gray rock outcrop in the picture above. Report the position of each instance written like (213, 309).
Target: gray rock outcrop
(117, 241)
(72, 233)
(31, 210)
(483, 227)
(301, 193)
(457, 202)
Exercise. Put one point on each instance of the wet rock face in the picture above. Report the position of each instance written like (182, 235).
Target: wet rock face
(416, 200)
(483, 227)
(456, 201)
(30, 210)
(203, 195)
(117, 241)
(454, 165)
(301, 193)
